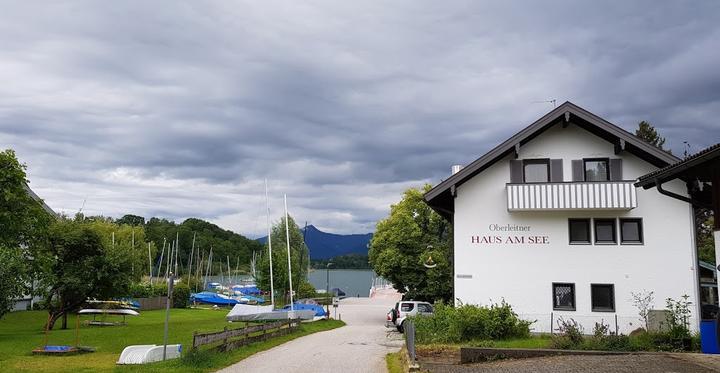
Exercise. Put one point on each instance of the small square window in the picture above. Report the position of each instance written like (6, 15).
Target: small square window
(603, 297)
(563, 296)
(579, 231)
(596, 170)
(605, 231)
(631, 231)
(536, 170)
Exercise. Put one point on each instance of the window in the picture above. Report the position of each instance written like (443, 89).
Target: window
(406, 307)
(563, 296)
(424, 308)
(631, 231)
(579, 231)
(605, 231)
(596, 170)
(536, 170)
(603, 297)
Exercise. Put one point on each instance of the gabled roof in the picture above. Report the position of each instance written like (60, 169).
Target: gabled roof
(441, 198)
(39, 200)
(698, 166)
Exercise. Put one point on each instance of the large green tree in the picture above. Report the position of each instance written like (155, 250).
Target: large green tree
(85, 265)
(23, 230)
(299, 258)
(405, 241)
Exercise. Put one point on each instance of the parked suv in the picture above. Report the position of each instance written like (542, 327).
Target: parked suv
(396, 316)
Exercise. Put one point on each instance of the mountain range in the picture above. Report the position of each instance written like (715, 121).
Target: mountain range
(323, 245)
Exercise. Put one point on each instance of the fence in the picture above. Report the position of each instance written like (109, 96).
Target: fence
(548, 322)
(409, 331)
(234, 338)
(154, 303)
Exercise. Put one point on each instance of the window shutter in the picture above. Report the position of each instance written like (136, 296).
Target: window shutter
(516, 171)
(616, 173)
(556, 171)
(577, 170)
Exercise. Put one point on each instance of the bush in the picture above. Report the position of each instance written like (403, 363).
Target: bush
(464, 323)
(181, 295)
(145, 290)
(306, 290)
(570, 335)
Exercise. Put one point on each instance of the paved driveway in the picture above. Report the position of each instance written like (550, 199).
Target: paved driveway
(360, 346)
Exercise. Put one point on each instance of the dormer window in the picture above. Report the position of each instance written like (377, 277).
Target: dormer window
(536, 170)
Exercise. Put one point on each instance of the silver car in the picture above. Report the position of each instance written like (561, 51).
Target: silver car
(396, 316)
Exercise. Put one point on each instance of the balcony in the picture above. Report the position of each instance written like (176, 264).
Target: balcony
(603, 195)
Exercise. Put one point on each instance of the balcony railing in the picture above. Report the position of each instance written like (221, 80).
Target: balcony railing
(601, 195)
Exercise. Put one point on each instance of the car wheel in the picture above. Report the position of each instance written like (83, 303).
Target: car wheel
(401, 328)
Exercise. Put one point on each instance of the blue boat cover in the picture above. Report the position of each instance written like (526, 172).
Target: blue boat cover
(247, 289)
(212, 298)
(319, 310)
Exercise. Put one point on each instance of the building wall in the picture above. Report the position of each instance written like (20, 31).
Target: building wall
(522, 274)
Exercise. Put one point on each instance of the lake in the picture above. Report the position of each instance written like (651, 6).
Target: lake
(351, 281)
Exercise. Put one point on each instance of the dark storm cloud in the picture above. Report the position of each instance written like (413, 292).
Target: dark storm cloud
(182, 109)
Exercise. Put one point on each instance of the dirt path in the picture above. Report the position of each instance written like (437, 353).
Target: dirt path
(360, 346)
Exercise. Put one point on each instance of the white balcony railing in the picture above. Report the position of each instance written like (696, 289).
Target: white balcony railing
(607, 195)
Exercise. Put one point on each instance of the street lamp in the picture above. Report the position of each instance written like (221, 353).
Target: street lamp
(327, 285)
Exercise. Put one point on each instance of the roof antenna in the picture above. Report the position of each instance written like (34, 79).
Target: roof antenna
(553, 101)
(686, 152)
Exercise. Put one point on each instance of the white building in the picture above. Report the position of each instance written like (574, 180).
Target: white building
(550, 222)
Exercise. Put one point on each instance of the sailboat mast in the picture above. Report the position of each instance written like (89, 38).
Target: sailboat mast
(150, 262)
(177, 246)
(192, 252)
(160, 262)
(287, 238)
(272, 287)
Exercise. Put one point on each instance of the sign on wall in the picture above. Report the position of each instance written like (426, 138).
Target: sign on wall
(510, 234)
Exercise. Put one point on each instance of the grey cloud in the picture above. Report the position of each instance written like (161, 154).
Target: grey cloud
(181, 109)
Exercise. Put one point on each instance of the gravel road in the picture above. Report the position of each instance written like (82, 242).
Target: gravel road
(360, 346)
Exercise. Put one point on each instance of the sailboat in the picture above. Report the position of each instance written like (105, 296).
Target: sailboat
(244, 312)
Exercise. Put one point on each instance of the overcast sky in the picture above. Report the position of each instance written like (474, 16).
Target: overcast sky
(182, 109)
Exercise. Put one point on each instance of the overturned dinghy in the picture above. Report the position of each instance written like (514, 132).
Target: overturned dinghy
(142, 354)
(246, 312)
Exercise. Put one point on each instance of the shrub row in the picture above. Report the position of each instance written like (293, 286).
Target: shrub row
(181, 292)
(571, 337)
(468, 322)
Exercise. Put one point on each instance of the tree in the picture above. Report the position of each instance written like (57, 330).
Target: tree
(704, 222)
(84, 266)
(130, 219)
(24, 224)
(649, 134)
(12, 270)
(405, 241)
(299, 257)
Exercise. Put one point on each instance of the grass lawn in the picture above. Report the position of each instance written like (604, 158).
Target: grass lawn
(540, 341)
(20, 332)
(394, 362)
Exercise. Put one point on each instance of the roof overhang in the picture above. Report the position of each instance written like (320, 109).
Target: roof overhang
(39, 200)
(441, 197)
(698, 167)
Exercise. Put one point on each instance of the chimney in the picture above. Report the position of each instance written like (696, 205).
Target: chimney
(456, 168)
